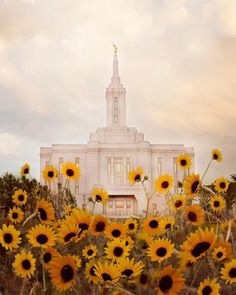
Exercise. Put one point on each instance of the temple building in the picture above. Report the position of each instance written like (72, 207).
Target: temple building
(110, 153)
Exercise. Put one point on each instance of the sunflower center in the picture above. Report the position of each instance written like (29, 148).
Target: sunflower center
(69, 236)
(47, 257)
(183, 162)
(50, 174)
(98, 198)
(43, 213)
(26, 170)
(42, 239)
(161, 251)
(83, 226)
(200, 248)
(192, 216)
(137, 177)
(222, 184)
(165, 184)
(165, 283)
(128, 272)
(153, 224)
(143, 279)
(168, 226)
(131, 226)
(206, 290)
(215, 157)
(21, 198)
(67, 273)
(219, 254)
(216, 204)
(106, 277)
(70, 172)
(194, 186)
(116, 233)
(90, 252)
(118, 251)
(92, 271)
(26, 264)
(8, 238)
(14, 215)
(100, 226)
(232, 272)
(178, 204)
(189, 263)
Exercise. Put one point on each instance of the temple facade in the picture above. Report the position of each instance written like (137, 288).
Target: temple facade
(110, 153)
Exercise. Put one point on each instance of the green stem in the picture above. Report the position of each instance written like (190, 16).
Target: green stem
(209, 164)
(44, 280)
(93, 207)
(147, 198)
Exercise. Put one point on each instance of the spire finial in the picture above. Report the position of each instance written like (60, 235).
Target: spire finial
(115, 49)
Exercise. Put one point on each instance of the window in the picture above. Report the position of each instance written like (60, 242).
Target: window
(175, 170)
(76, 188)
(109, 171)
(115, 111)
(159, 166)
(60, 176)
(77, 162)
(118, 171)
(119, 204)
(47, 163)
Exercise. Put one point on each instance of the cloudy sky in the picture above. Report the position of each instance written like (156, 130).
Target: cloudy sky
(177, 61)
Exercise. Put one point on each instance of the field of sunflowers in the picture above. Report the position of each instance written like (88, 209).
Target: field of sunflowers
(50, 246)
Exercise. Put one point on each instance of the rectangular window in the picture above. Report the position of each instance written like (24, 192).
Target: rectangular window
(159, 166)
(119, 204)
(118, 171)
(175, 172)
(115, 111)
(76, 188)
(77, 161)
(60, 176)
(109, 171)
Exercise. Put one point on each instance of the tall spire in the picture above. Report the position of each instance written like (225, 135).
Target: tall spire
(115, 62)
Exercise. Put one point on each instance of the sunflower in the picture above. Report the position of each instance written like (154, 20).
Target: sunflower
(184, 161)
(63, 272)
(89, 251)
(15, 215)
(68, 232)
(48, 255)
(167, 223)
(46, 211)
(99, 195)
(41, 236)
(228, 272)
(129, 242)
(107, 272)
(116, 249)
(99, 224)
(135, 175)
(185, 261)
(216, 155)
(227, 247)
(163, 183)
(24, 264)
(90, 272)
(171, 281)
(131, 225)
(70, 170)
(199, 243)
(20, 197)
(50, 173)
(160, 250)
(209, 286)
(219, 254)
(221, 184)
(177, 202)
(217, 203)
(151, 225)
(82, 219)
(115, 230)
(191, 184)
(78, 261)
(129, 268)
(194, 215)
(25, 169)
(9, 237)
(144, 239)
(143, 280)
(68, 209)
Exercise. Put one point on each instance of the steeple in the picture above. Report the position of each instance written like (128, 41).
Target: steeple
(115, 96)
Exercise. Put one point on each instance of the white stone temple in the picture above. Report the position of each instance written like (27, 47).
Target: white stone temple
(111, 152)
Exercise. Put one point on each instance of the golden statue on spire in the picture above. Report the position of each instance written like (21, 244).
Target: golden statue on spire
(115, 48)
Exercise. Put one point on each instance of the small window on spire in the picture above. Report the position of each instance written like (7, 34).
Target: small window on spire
(115, 113)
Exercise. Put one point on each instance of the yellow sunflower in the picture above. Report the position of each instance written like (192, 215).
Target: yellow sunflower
(177, 202)
(131, 225)
(90, 272)
(135, 175)
(15, 215)
(221, 184)
(24, 264)
(48, 255)
(219, 254)
(99, 224)
(194, 214)
(107, 272)
(63, 272)
(228, 272)
(9, 237)
(68, 209)
(184, 161)
(227, 247)
(115, 230)
(143, 280)
(99, 195)
(68, 232)
(151, 225)
(20, 197)
(199, 243)
(70, 170)
(78, 261)
(185, 261)
(216, 155)
(41, 236)
(164, 183)
(171, 281)
(46, 211)
(167, 223)
(25, 169)
(129, 242)
(217, 203)
(160, 250)
(82, 219)
(144, 239)
(191, 184)
(89, 251)
(49, 173)
(116, 250)
(129, 268)
(209, 286)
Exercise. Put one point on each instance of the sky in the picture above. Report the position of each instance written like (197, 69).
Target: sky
(176, 59)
